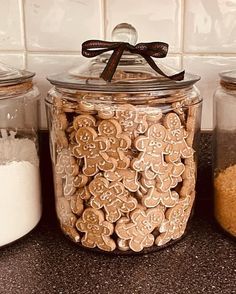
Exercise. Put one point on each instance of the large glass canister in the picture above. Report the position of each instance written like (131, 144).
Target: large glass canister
(20, 205)
(123, 153)
(225, 152)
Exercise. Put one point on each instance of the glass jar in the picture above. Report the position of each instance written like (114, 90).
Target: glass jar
(124, 154)
(225, 152)
(20, 206)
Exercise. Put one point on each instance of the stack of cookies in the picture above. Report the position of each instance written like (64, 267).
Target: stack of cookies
(124, 173)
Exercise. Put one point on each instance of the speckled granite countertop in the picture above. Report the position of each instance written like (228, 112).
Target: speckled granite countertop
(46, 262)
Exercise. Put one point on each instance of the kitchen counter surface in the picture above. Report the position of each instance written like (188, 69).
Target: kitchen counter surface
(46, 262)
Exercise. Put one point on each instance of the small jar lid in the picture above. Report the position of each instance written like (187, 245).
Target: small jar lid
(133, 73)
(228, 76)
(12, 76)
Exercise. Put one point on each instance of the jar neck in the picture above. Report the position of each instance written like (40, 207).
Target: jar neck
(16, 89)
(227, 85)
(161, 96)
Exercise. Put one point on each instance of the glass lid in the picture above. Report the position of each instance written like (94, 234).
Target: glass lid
(12, 76)
(228, 76)
(133, 72)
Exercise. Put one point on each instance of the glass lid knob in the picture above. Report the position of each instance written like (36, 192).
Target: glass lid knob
(125, 32)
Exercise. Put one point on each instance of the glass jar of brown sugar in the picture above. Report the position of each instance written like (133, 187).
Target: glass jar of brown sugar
(123, 152)
(225, 152)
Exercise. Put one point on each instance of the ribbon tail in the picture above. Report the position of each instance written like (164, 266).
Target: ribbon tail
(112, 63)
(176, 77)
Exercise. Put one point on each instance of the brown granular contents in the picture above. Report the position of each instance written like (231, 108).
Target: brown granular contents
(225, 199)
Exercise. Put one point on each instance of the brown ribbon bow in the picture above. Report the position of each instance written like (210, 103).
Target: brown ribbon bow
(92, 48)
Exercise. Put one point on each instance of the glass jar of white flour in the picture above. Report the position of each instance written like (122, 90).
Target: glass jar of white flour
(20, 204)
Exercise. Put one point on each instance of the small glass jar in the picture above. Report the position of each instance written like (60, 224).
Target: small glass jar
(123, 153)
(20, 205)
(225, 152)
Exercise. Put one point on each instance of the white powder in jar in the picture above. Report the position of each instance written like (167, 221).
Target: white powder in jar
(20, 205)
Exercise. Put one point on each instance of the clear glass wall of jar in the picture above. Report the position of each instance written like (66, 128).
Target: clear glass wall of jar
(123, 152)
(225, 152)
(124, 166)
(20, 205)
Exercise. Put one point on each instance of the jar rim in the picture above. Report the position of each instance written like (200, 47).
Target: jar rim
(26, 75)
(65, 81)
(13, 76)
(228, 76)
(14, 91)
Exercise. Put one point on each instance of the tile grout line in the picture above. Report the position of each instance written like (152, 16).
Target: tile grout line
(12, 51)
(183, 7)
(104, 19)
(51, 52)
(23, 26)
(217, 54)
(58, 52)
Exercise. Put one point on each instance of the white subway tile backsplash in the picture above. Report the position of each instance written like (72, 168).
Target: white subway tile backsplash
(208, 68)
(210, 26)
(155, 20)
(44, 65)
(170, 61)
(11, 35)
(61, 25)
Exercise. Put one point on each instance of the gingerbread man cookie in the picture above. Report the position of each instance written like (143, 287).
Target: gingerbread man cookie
(76, 204)
(128, 177)
(111, 196)
(58, 102)
(67, 218)
(153, 116)
(154, 197)
(190, 168)
(119, 142)
(66, 163)
(191, 124)
(171, 178)
(58, 136)
(67, 166)
(84, 120)
(93, 149)
(141, 123)
(176, 138)
(138, 228)
(84, 106)
(178, 107)
(58, 186)
(60, 121)
(97, 230)
(105, 111)
(68, 185)
(122, 244)
(83, 193)
(126, 116)
(152, 147)
(173, 227)
(165, 181)
(189, 177)
(80, 180)
(69, 107)
(79, 121)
